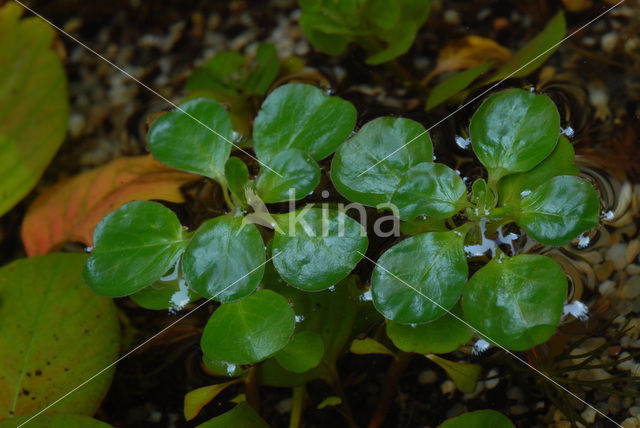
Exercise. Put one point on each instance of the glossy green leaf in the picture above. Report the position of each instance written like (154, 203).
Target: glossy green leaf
(384, 14)
(55, 333)
(516, 302)
(534, 53)
(420, 278)
(559, 210)
(329, 402)
(331, 44)
(226, 70)
(237, 175)
(453, 84)
(483, 196)
(514, 187)
(318, 247)
(464, 375)
(369, 346)
(34, 109)
(302, 353)
(513, 131)
(242, 415)
(249, 330)
(369, 167)
(441, 336)
(133, 247)
(300, 116)
(266, 70)
(297, 171)
(54, 421)
(196, 137)
(223, 368)
(195, 400)
(171, 294)
(479, 419)
(432, 189)
(397, 44)
(224, 260)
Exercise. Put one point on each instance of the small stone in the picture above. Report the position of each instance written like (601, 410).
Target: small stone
(493, 380)
(633, 269)
(451, 17)
(563, 424)
(617, 255)
(514, 393)
(604, 270)
(635, 344)
(634, 411)
(589, 415)
(427, 377)
(635, 370)
(627, 364)
(448, 387)
(607, 287)
(609, 42)
(518, 410)
(476, 392)
(284, 406)
(631, 423)
(614, 404)
(593, 342)
(631, 288)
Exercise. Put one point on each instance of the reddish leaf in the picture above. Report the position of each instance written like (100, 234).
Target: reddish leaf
(71, 209)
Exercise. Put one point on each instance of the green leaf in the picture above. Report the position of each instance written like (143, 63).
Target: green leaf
(559, 210)
(398, 43)
(358, 170)
(483, 196)
(513, 131)
(369, 346)
(454, 84)
(479, 419)
(223, 368)
(297, 171)
(331, 44)
(516, 302)
(302, 353)
(383, 13)
(429, 188)
(534, 53)
(133, 247)
(268, 63)
(237, 175)
(55, 421)
(224, 260)
(300, 116)
(464, 375)
(34, 109)
(196, 137)
(441, 336)
(318, 247)
(242, 415)
(226, 69)
(55, 333)
(514, 187)
(329, 401)
(195, 400)
(405, 290)
(170, 294)
(249, 330)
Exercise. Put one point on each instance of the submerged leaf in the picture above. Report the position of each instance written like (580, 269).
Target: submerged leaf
(479, 419)
(195, 400)
(464, 375)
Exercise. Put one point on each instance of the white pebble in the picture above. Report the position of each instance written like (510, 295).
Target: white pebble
(617, 255)
(631, 423)
(451, 17)
(515, 393)
(589, 415)
(607, 287)
(609, 42)
(494, 379)
(448, 387)
(627, 364)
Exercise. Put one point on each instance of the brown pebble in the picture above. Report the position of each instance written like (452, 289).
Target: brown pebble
(604, 270)
(614, 404)
(614, 351)
(500, 23)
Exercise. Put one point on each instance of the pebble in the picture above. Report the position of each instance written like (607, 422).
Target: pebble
(604, 270)
(607, 287)
(492, 383)
(589, 415)
(631, 288)
(427, 377)
(448, 387)
(284, 406)
(451, 17)
(627, 364)
(518, 410)
(631, 423)
(515, 393)
(634, 411)
(632, 251)
(609, 41)
(476, 392)
(617, 254)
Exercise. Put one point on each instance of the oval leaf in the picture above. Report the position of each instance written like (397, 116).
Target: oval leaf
(302, 353)
(134, 246)
(559, 210)
(516, 302)
(249, 330)
(317, 248)
(479, 419)
(464, 375)
(432, 189)
(298, 171)
(513, 131)
(441, 336)
(55, 333)
(70, 210)
(300, 116)
(225, 259)
(358, 170)
(196, 137)
(34, 109)
(421, 270)
(242, 415)
(369, 346)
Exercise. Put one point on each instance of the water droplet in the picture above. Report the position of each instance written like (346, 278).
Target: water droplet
(299, 318)
(568, 131)
(88, 249)
(463, 143)
(413, 325)
(525, 193)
